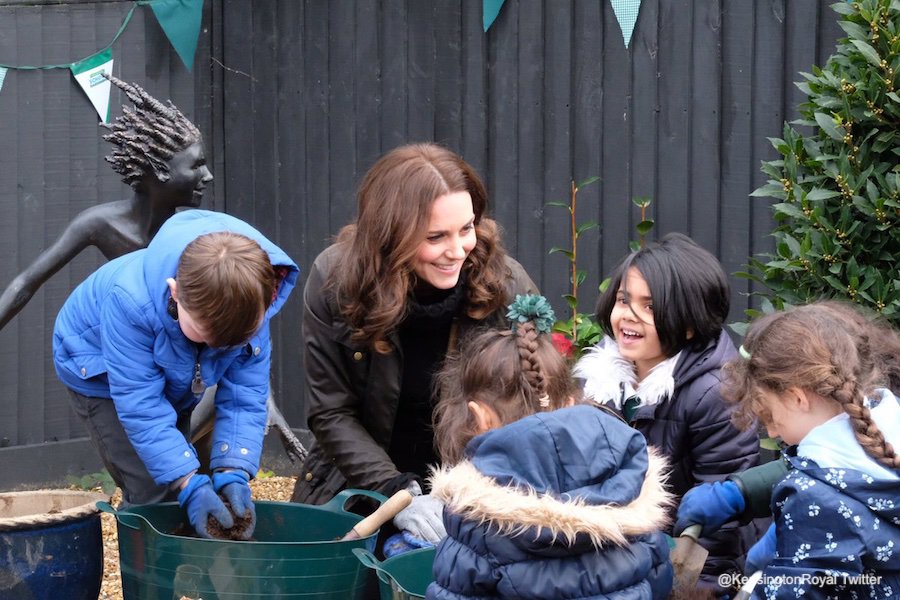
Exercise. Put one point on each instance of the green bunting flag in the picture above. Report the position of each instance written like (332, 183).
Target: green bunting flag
(490, 9)
(180, 20)
(89, 75)
(2, 76)
(626, 14)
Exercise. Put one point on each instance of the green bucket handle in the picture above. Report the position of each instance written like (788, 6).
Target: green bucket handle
(338, 503)
(369, 560)
(120, 516)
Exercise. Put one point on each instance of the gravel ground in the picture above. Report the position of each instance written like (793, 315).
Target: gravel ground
(265, 488)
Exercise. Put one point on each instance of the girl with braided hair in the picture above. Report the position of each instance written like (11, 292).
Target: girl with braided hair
(819, 386)
(544, 497)
(159, 153)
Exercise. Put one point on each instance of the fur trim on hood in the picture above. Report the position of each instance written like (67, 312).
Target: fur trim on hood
(514, 510)
(608, 376)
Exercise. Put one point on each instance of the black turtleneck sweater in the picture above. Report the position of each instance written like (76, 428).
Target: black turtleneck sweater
(424, 336)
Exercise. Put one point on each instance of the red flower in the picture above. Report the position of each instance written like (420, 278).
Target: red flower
(562, 344)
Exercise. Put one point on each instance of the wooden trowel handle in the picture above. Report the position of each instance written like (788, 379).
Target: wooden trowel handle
(382, 515)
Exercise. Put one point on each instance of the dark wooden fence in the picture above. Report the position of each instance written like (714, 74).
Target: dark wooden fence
(297, 99)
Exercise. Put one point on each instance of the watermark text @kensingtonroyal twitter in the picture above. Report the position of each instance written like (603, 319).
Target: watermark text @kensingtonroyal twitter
(813, 579)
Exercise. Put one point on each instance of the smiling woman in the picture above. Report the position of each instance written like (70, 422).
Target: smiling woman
(421, 265)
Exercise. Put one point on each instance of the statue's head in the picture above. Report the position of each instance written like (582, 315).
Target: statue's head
(148, 136)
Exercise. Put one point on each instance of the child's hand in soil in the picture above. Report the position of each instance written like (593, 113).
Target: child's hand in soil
(235, 488)
(201, 502)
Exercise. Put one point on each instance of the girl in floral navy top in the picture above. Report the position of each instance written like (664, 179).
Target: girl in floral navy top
(816, 384)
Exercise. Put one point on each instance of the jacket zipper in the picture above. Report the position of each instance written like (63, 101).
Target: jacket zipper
(197, 386)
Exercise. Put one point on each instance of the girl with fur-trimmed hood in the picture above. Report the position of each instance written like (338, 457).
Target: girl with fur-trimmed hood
(542, 499)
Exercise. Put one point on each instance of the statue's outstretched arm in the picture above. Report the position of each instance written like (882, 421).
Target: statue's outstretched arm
(74, 238)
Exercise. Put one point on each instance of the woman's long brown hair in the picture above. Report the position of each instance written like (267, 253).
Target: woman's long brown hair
(374, 279)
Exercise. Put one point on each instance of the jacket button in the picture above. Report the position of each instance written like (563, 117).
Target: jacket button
(357, 356)
(308, 476)
(244, 451)
(223, 447)
(256, 351)
(83, 372)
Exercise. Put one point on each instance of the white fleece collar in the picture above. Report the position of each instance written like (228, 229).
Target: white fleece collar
(606, 373)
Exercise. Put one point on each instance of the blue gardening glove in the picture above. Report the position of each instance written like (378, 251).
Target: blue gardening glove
(236, 489)
(710, 505)
(423, 518)
(402, 542)
(762, 552)
(200, 501)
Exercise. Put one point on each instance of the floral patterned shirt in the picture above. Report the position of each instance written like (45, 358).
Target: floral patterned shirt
(837, 529)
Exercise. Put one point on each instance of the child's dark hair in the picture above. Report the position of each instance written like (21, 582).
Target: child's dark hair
(828, 348)
(689, 290)
(515, 372)
(227, 282)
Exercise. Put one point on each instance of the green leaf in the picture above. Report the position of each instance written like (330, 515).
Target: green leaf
(788, 209)
(586, 226)
(604, 285)
(634, 246)
(580, 277)
(770, 190)
(843, 8)
(854, 30)
(641, 201)
(817, 194)
(827, 124)
(568, 253)
(587, 181)
(561, 204)
(645, 226)
(571, 300)
(868, 52)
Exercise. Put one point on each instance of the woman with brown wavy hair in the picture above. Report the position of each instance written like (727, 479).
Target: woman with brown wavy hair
(383, 305)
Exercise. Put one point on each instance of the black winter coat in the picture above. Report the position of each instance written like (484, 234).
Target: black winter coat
(688, 422)
(353, 392)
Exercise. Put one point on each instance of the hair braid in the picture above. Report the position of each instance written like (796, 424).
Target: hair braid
(849, 394)
(532, 370)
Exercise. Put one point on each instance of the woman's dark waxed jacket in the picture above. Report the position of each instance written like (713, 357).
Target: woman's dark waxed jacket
(353, 392)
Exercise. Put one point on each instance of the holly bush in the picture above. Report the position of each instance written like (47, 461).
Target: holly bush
(838, 184)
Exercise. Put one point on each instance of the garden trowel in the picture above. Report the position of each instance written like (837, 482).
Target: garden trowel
(688, 558)
(382, 515)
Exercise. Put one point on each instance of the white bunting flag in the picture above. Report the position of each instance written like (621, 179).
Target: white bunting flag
(89, 75)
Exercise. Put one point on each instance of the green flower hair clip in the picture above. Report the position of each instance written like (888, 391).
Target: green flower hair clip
(531, 307)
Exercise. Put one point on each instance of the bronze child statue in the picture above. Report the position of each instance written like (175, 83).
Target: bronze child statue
(159, 153)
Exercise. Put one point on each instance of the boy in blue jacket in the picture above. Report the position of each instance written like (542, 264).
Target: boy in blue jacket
(139, 341)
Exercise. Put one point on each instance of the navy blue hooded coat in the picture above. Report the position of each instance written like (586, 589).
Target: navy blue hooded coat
(564, 504)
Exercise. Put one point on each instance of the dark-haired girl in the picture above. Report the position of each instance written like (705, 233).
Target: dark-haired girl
(660, 363)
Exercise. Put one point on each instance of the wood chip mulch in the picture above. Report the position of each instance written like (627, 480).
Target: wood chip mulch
(264, 488)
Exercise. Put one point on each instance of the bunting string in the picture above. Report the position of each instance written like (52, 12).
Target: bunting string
(179, 19)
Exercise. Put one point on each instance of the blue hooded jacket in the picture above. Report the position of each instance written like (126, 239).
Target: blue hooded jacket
(564, 504)
(114, 338)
